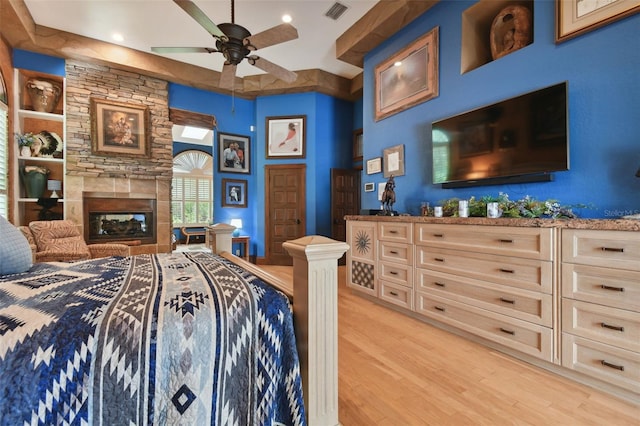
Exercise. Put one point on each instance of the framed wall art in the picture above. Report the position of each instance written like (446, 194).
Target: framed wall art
(374, 165)
(286, 136)
(369, 187)
(234, 193)
(357, 145)
(119, 128)
(234, 153)
(407, 78)
(576, 17)
(394, 161)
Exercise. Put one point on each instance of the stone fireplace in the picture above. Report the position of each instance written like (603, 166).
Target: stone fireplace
(120, 219)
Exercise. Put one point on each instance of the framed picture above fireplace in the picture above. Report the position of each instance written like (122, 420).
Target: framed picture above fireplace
(119, 128)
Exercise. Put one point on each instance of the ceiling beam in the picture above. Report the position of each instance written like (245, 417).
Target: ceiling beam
(381, 22)
(21, 32)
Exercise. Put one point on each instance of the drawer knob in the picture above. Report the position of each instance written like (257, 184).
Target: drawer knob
(510, 301)
(612, 288)
(393, 273)
(393, 252)
(438, 259)
(511, 332)
(439, 308)
(611, 365)
(613, 249)
(439, 284)
(612, 327)
(504, 240)
(393, 293)
(393, 231)
(507, 271)
(438, 235)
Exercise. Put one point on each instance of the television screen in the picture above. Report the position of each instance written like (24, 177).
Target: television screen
(521, 139)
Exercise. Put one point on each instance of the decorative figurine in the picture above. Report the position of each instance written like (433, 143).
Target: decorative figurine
(388, 197)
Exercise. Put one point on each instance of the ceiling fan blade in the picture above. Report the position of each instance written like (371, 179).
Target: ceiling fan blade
(183, 50)
(278, 34)
(273, 69)
(227, 76)
(196, 13)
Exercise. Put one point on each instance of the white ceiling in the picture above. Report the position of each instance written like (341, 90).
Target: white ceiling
(161, 23)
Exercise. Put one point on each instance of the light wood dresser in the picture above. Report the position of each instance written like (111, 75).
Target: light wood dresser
(563, 295)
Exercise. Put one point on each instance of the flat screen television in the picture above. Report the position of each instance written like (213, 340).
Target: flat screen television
(521, 139)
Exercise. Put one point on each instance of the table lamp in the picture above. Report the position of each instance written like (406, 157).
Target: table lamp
(238, 224)
(54, 185)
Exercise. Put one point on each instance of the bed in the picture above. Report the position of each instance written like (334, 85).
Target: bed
(183, 338)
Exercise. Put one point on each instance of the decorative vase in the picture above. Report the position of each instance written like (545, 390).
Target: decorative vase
(44, 94)
(34, 180)
(25, 151)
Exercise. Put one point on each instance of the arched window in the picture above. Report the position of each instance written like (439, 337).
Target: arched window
(192, 189)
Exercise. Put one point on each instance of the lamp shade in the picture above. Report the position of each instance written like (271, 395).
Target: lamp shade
(238, 224)
(54, 185)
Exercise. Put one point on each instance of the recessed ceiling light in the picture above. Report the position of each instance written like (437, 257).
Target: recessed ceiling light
(117, 37)
(397, 63)
(286, 18)
(194, 132)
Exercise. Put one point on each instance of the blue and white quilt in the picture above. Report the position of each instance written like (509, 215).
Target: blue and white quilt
(166, 339)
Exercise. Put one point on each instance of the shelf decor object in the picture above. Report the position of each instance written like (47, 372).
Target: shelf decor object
(54, 186)
(119, 128)
(575, 17)
(44, 94)
(407, 78)
(34, 179)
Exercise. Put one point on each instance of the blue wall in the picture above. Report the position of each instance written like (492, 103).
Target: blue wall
(602, 68)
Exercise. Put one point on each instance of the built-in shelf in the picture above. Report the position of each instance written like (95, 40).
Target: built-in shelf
(476, 31)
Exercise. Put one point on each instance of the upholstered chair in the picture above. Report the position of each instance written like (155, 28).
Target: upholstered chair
(60, 241)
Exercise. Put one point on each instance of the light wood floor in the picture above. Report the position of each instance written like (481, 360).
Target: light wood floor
(396, 370)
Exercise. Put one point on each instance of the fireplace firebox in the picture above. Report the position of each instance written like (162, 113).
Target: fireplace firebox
(119, 219)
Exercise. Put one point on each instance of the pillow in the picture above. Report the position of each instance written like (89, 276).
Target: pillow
(15, 252)
(60, 236)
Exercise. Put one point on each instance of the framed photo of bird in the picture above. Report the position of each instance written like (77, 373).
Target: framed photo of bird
(286, 136)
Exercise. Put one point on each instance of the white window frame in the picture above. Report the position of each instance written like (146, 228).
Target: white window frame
(4, 160)
(190, 166)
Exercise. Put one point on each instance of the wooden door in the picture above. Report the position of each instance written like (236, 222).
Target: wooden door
(345, 200)
(285, 209)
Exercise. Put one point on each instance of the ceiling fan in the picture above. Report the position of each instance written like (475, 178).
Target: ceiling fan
(236, 43)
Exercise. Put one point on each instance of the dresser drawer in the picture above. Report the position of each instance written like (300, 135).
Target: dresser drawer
(526, 305)
(617, 366)
(396, 294)
(399, 232)
(529, 274)
(612, 249)
(524, 336)
(613, 287)
(396, 273)
(616, 327)
(532, 243)
(396, 252)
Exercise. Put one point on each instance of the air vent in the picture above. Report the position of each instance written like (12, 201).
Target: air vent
(336, 11)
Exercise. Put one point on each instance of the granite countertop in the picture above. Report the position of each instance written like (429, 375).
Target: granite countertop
(601, 224)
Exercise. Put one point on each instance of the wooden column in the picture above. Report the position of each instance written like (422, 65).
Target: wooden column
(315, 306)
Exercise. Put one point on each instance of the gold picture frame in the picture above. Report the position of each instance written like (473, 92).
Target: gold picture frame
(574, 18)
(119, 128)
(407, 78)
(393, 161)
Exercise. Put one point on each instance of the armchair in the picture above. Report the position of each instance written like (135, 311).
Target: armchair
(60, 241)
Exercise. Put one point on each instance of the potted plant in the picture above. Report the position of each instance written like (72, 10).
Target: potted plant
(25, 141)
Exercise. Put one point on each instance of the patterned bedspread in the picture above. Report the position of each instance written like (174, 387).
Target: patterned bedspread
(167, 339)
